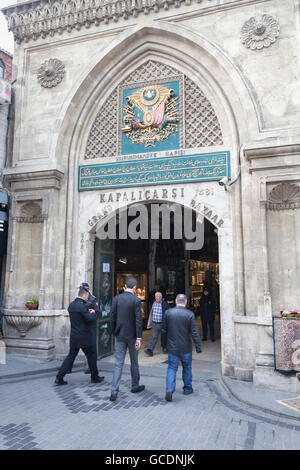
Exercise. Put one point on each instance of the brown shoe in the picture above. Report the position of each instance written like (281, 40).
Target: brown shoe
(298, 376)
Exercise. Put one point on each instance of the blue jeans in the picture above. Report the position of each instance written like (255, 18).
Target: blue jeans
(173, 362)
(156, 329)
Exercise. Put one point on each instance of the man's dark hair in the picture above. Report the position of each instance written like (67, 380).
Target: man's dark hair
(82, 291)
(181, 299)
(131, 282)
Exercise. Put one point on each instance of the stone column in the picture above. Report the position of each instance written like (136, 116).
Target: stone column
(267, 304)
(264, 359)
(33, 244)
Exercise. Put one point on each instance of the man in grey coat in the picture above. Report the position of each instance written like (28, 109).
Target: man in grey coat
(126, 324)
(178, 327)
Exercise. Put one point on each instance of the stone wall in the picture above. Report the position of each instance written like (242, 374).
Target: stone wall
(69, 70)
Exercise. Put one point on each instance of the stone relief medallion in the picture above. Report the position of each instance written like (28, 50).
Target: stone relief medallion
(260, 32)
(51, 73)
(150, 116)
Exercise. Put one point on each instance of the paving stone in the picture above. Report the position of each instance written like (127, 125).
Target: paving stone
(80, 416)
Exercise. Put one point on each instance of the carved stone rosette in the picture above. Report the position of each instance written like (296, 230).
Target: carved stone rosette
(260, 32)
(23, 323)
(284, 196)
(51, 73)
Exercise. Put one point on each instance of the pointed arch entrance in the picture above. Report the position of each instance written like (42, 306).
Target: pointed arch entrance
(211, 72)
(165, 262)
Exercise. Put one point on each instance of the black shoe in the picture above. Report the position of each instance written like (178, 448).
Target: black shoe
(188, 393)
(87, 371)
(213, 340)
(138, 389)
(60, 382)
(149, 352)
(204, 339)
(97, 380)
(168, 396)
(113, 396)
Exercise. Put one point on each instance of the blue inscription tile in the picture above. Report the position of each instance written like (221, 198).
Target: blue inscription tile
(168, 170)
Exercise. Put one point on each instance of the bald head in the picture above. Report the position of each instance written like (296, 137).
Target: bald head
(181, 300)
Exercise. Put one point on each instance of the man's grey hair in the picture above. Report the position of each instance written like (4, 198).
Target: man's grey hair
(82, 291)
(130, 283)
(181, 299)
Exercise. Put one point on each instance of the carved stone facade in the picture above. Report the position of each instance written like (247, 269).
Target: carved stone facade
(52, 17)
(229, 73)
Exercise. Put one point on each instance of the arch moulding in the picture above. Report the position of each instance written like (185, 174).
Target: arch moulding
(208, 66)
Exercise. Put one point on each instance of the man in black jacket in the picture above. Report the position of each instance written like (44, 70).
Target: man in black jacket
(82, 318)
(126, 324)
(178, 327)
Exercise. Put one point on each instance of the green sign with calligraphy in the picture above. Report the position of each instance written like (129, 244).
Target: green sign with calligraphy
(167, 170)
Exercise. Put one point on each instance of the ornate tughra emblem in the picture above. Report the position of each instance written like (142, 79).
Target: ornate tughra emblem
(151, 115)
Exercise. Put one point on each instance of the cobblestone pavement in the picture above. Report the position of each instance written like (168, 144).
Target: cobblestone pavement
(37, 415)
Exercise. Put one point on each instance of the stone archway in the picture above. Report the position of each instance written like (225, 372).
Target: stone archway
(220, 217)
(211, 69)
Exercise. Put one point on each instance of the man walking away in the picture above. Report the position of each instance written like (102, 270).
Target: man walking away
(82, 319)
(126, 324)
(178, 328)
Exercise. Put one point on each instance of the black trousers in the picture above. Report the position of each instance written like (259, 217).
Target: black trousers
(91, 355)
(208, 318)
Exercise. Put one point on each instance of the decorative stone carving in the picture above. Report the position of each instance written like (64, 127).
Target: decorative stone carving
(260, 32)
(102, 141)
(30, 212)
(284, 196)
(201, 125)
(150, 70)
(51, 73)
(48, 17)
(23, 323)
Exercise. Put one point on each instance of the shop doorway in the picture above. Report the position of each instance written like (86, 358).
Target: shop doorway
(157, 264)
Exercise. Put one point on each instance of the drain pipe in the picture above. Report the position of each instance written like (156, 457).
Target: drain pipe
(7, 135)
(239, 171)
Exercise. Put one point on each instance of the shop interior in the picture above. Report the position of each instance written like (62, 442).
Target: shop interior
(166, 263)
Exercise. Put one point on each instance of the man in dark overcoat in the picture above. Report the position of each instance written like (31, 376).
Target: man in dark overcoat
(95, 306)
(82, 318)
